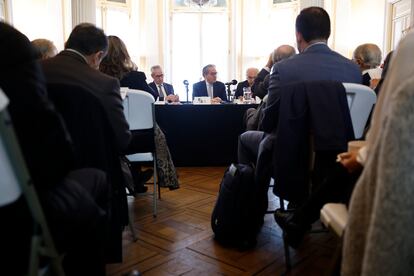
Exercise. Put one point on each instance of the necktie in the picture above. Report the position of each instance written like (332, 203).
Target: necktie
(210, 90)
(161, 92)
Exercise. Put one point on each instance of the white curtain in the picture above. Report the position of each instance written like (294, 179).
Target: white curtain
(83, 11)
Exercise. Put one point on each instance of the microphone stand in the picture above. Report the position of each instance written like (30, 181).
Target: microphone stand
(229, 92)
(186, 90)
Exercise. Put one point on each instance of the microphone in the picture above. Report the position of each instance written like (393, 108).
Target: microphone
(233, 82)
(185, 82)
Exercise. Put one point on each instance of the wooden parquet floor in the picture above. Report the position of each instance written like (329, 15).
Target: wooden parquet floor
(179, 241)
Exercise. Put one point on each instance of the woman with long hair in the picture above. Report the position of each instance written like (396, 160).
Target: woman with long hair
(118, 64)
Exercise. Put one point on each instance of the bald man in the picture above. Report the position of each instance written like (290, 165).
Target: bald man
(251, 74)
(261, 83)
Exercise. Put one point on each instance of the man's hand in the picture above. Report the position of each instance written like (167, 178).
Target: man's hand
(216, 100)
(172, 98)
(269, 63)
(349, 161)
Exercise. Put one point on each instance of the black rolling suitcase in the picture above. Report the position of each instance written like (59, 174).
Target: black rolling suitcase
(236, 217)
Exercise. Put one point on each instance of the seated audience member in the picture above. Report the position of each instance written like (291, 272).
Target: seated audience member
(45, 48)
(378, 238)
(337, 187)
(167, 174)
(78, 64)
(385, 67)
(368, 57)
(261, 83)
(163, 91)
(210, 87)
(74, 201)
(315, 62)
(251, 74)
(120, 66)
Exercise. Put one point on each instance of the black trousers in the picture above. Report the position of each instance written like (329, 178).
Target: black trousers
(337, 187)
(76, 213)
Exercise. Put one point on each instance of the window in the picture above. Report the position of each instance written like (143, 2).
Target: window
(199, 36)
(2, 10)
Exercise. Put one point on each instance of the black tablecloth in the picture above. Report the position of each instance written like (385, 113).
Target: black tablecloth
(202, 135)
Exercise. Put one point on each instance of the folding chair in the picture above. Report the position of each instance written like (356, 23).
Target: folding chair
(15, 180)
(139, 112)
(361, 100)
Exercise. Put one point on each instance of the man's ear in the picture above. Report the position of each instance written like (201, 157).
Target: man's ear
(299, 37)
(359, 61)
(100, 55)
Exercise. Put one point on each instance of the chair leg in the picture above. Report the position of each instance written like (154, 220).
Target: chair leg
(281, 203)
(155, 188)
(131, 225)
(159, 192)
(287, 253)
(285, 244)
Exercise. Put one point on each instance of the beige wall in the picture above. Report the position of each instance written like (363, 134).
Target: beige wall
(355, 22)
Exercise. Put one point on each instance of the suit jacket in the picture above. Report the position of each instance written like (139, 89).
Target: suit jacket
(261, 84)
(319, 109)
(71, 69)
(239, 89)
(95, 147)
(137, 80)
(169, 89)
(200, 90)
(317, 62)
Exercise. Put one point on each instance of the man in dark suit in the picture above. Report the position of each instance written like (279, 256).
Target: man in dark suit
(162, 90)
(315, 62)
(251, 74)
(78, 65)
(210, 87)
(368, 56)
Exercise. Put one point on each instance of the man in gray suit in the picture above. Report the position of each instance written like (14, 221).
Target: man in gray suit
(314, 62)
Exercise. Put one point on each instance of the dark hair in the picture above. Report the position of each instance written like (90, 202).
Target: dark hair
(117, 63)
(87, 39)
(313, 23)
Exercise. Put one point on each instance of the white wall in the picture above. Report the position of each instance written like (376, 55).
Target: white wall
(355, 22)
(40, 19)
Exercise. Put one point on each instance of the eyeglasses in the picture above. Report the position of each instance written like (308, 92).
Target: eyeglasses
(159, 76)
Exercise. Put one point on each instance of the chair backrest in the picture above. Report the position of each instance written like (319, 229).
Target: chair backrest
(139, 109)
(15, 180)
(9, 186)
(95, 147)
(361, 100)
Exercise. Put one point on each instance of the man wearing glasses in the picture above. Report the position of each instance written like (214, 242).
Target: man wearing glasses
(163, 91)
